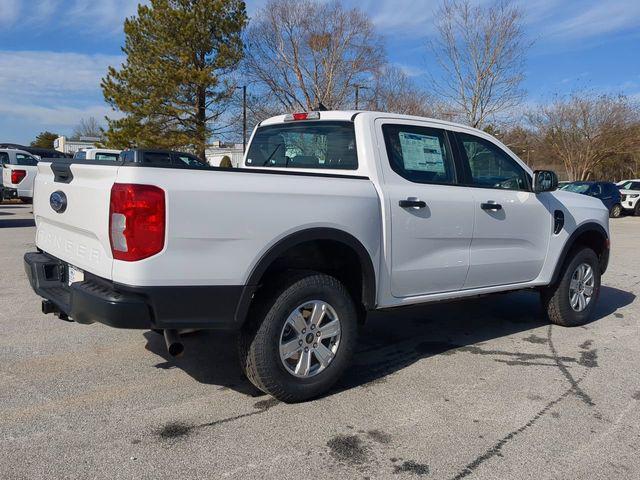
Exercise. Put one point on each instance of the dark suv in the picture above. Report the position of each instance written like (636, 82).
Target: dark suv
(606, 191)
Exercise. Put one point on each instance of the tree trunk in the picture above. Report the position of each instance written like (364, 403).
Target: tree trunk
(201, 122)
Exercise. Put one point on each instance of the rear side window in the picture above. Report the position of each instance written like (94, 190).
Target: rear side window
(490, 166)
(26, 160)
(321, 145)
(80, 155)
(4, 158)
(419, 154)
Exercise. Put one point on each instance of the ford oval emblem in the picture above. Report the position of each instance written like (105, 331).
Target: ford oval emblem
(58, 201)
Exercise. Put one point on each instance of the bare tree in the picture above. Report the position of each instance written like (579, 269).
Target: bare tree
(88, 127)
(587, 132)
(393, 91)
(481, 52)
(304, 52)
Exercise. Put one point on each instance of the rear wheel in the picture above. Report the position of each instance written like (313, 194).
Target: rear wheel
(616, 211)
(572, 300)
(300, 339)
(636, 211)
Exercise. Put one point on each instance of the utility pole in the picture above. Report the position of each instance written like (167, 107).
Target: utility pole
(358, 87)
(244, 118)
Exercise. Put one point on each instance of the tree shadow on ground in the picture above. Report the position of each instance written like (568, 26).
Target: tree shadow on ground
(394, 339)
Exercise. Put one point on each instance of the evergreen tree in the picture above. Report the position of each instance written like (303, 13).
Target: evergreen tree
(44, 140)
(172, 86)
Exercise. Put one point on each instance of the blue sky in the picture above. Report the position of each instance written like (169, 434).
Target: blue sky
(54, 52)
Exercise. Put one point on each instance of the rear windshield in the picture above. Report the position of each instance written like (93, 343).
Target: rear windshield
(322, 145)
(107, 156)
(26, 160)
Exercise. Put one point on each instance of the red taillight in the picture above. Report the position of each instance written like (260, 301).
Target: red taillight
(17, 176)
(136, 221)
(300, 116)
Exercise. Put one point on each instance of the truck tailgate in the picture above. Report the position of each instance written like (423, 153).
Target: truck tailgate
(78, 233)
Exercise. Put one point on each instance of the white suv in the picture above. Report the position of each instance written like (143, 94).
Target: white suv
(630, 190)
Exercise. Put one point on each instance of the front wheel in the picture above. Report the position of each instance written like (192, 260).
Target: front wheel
(301, 338)
(616, 211)
(636, 211)
(572, 300)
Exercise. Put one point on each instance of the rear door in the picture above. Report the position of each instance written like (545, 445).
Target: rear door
(79, 232)
(512, 224)
(431, 216)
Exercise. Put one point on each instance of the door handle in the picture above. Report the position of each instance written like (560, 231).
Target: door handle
(412, 203)
(490, 206)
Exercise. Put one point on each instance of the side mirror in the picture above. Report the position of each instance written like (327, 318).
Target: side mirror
(544, 181)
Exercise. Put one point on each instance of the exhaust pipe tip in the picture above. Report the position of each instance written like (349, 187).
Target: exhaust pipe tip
(175, 347)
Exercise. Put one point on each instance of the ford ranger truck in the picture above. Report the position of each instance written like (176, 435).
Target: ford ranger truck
(333, 214)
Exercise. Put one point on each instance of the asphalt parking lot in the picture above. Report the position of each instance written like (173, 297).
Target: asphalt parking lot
(481, 389)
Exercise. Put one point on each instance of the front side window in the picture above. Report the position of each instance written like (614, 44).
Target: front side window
(419, 154)
(26, 160)
(490, 166)
(321, 145)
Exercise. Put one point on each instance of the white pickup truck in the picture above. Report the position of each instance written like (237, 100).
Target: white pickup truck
(19, 169)
(333, 214)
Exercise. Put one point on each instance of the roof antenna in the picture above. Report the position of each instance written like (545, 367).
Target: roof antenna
(321, 107)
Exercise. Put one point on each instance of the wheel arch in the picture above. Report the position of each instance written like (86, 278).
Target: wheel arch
(300, 239)
(590, 234)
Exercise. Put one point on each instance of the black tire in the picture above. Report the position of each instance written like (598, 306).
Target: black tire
(636, 211)
(616, 211)
(260, 339)
(555, 298)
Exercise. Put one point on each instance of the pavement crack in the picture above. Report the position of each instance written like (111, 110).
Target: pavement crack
(565, 371)
(179, 429)
(496, 448)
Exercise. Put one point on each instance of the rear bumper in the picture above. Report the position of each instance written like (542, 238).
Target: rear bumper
(9, 193)
(122, 306)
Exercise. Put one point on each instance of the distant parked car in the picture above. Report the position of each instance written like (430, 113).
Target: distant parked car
(97, 154)
(608, 192)
(161, 157)
(630, 190)
(39, 153)
(19, 170)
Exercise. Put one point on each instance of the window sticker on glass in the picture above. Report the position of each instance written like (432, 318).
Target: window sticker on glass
(421, 152)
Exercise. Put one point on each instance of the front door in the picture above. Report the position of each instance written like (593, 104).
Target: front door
(512, 225)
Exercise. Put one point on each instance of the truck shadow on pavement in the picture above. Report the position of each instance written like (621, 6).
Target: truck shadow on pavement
(17, 222)
(395, 339)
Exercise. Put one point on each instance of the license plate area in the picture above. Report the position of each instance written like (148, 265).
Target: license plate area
(74, 275)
